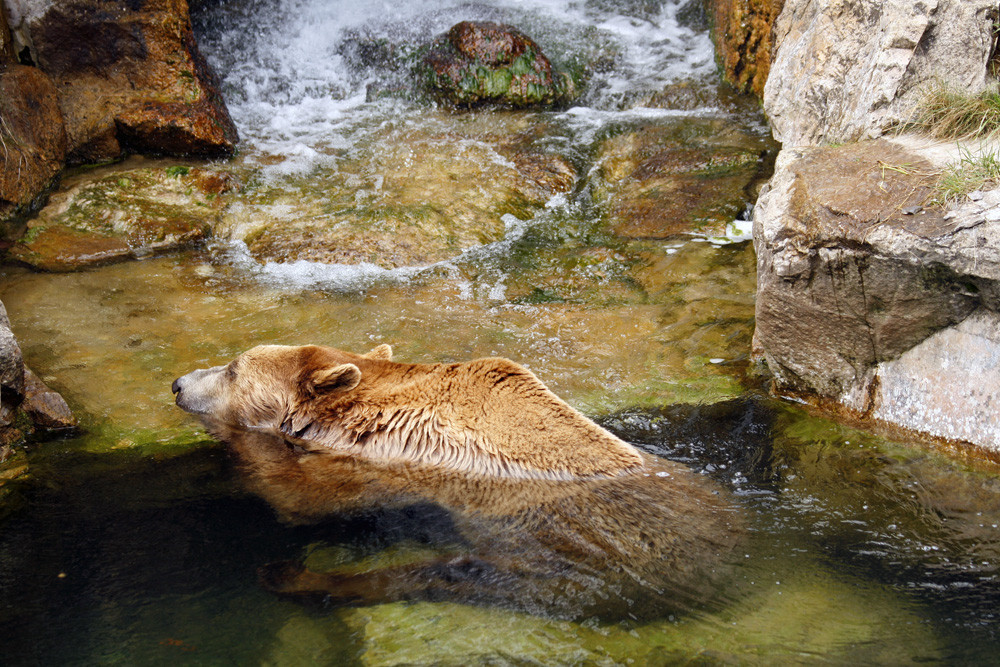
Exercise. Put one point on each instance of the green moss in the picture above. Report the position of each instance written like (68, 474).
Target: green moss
(33, 232)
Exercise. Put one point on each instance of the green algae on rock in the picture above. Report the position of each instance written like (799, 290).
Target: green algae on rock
(660, 180)
(99, 217)
(480, 62)
(419, 195)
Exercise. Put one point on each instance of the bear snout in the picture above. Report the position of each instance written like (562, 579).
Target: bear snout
(194, 392)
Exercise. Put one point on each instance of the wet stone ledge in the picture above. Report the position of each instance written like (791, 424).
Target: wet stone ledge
(870, 296)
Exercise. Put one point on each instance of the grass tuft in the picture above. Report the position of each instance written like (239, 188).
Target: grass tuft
(946, 113)
(972, 172)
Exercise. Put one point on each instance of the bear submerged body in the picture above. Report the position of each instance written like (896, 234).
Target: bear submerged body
(556, 515)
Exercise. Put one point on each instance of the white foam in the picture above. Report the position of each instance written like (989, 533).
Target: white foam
(293, 95)
(351, 277)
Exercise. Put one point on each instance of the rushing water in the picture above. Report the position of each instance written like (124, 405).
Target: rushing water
(138, 542)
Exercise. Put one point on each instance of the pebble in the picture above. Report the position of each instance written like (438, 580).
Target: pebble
(976, 195)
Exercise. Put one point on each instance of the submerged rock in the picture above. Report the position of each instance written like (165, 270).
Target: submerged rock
(662, 180)
(122, 215)
(887, 313)
(479, 62)
(416, 196)
(32, 139)
(820, 613)
(129, 79)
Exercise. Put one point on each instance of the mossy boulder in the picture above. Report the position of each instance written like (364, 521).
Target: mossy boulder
(100, 217)
(480, 62)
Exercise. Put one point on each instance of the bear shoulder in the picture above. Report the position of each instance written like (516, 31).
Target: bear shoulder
(525, 423)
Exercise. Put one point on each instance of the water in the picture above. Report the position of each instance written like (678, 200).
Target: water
(299, 88)
(139, 542)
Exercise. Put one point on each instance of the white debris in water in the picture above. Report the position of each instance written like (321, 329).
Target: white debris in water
(498, 292)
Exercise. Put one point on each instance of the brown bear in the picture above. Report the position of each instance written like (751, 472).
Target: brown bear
(557, 515)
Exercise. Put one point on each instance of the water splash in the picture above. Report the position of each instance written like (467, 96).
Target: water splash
(297, 88)
(303, 274)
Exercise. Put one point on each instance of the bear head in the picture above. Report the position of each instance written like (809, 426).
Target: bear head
(259, 388)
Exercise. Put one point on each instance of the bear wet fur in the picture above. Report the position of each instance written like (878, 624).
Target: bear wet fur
(559, 516)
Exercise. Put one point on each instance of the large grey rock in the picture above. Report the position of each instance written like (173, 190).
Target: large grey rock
(885, 312)
(845, 70)
(26, 403)
(11, 365)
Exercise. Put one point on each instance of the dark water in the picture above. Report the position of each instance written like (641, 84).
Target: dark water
(126, 559)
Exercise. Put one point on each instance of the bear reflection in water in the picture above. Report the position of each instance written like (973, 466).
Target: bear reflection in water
(557, 516)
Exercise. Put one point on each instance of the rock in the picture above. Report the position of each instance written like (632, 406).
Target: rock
(11, 369)
(26, 404)
(99, 218)
(862, 304)
(685, 176)
(845, 70)
(814, 612)
(130, 79)
(742, 31)
(6, 41)
(479, 62)
(693, 95)
(417, 196)
(928, 387)
(46, 409)
(32, 139)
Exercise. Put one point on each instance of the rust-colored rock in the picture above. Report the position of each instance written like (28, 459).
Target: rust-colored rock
(743, 35)
(32, 138)
(131, 79)
(491, 43)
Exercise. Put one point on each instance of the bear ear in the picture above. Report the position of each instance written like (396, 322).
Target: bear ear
(383, 352)
(335, 378)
